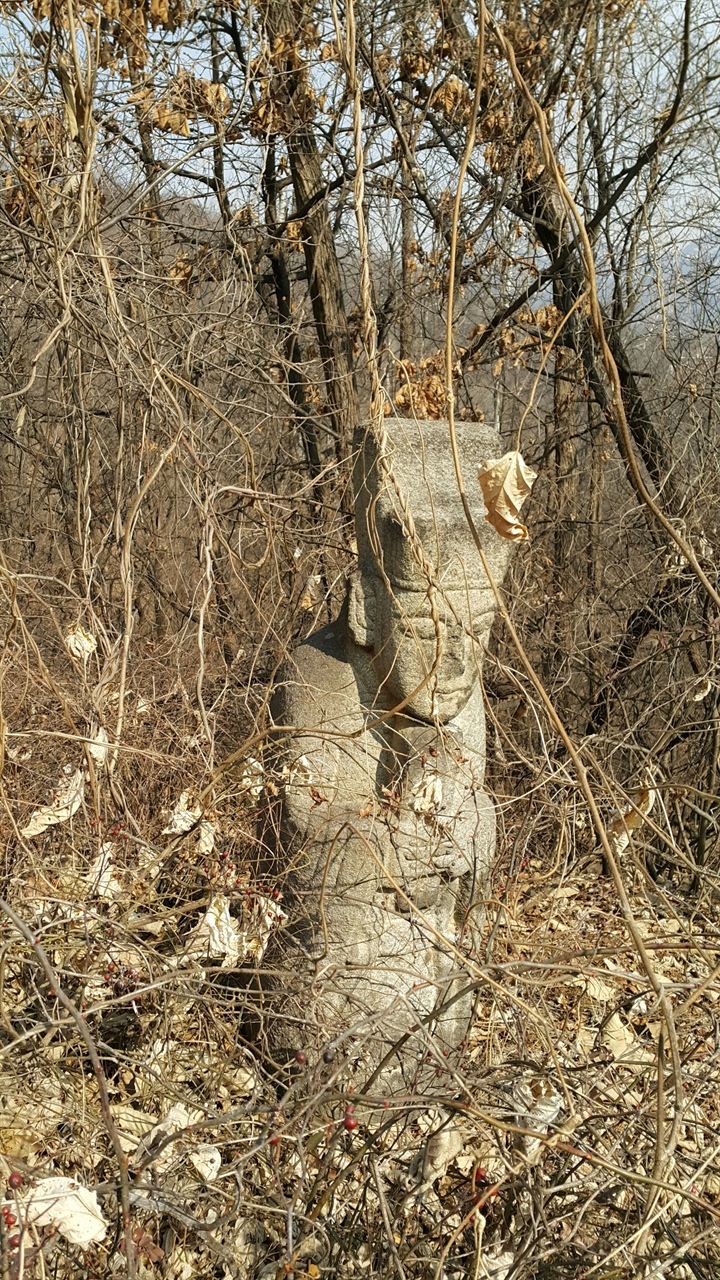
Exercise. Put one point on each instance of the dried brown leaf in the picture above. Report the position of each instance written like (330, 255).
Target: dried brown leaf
(506, 482)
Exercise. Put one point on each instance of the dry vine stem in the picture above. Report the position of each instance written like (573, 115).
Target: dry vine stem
(664, 1147)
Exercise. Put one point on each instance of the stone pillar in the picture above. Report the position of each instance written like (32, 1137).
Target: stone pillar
(382, 834)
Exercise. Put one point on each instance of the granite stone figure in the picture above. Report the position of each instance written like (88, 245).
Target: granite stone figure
(382, 833)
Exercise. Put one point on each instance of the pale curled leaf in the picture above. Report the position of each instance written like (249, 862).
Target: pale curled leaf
(102, 879)
(66, 801)
(217, 935)
(261, 917)
(702, 689)
(596, 989)
(205, 837)
(99, 747)
(506, 482)
(496, 1264)
(617, 1038)
(631, 819)
(538, 1106)
(184, 815)
(251, 779)
(440, 1150)
(80, 643)
(71, 1209)
(427, 795)
(207, 1160)
(178, 1118)
(131, 1124)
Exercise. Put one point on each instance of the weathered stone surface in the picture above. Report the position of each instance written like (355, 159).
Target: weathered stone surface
(383, 834)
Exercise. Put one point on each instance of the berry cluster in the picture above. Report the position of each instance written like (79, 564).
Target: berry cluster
(15, 1181)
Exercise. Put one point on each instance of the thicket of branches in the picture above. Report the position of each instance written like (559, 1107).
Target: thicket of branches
(191, 328)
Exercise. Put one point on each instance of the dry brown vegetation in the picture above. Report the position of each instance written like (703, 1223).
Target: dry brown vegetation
(187, 341)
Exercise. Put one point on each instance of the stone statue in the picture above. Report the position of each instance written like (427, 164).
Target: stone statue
(382, 834)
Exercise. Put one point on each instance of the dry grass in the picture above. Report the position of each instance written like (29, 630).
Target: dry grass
(562, 1008)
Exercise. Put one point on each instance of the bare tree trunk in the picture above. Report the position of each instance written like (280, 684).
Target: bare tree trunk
(147, 153)
(218, 152)
(321, 260)
(293, 354)
(407, 220)
(326, 293)
(565, 495)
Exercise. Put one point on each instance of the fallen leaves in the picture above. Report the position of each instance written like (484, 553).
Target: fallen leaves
(206, 1159)
(67, 1207)
(102, 878)
(506, 482)
(702, 689)
(66, 801)
(178, 1119)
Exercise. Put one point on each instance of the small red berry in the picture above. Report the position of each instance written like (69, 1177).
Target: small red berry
(301, 1057)
(350, 1122)
(10, 1219)
(274, 1140)
(15, 1180)
(329, 1055)
(14, 1242)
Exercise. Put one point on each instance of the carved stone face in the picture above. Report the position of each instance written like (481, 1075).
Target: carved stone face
(405, 651)
(389, 605)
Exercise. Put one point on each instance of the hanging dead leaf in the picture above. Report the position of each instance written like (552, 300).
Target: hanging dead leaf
(80, 643)
(452, 97)
(102, 879)
(217, 935)
(440, 1150)
(99, 746)
(311, 595)
(262, 916)
(427, 795)
(617, 1038)
(66, 802)
(506, 482)
(631, 819)
(538, 1106)
(702, 689)
(183, 817)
